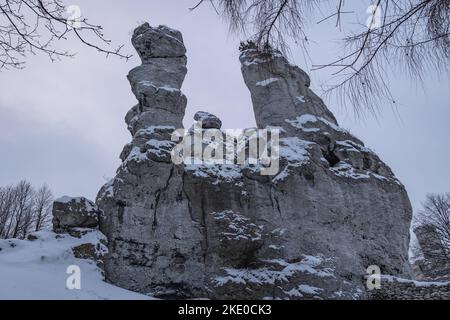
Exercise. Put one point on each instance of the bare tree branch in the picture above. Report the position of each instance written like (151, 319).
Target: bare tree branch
(33, 26)
(410, 36)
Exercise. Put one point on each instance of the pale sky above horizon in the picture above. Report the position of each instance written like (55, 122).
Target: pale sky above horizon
(62, 123)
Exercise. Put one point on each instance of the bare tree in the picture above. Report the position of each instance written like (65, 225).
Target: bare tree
(436, 212)
(7, 200)
(24, 210)
(32, 26)
(22, 218)
(43, 201)
(401, 36)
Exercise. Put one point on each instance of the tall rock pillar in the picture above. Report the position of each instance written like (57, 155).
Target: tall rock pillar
(155, 246)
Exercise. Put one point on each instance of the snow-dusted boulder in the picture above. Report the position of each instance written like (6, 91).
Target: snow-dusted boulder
(70, 212)
(160, 42)
(208, 120)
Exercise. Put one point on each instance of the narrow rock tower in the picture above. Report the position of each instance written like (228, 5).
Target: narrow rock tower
(155, 246)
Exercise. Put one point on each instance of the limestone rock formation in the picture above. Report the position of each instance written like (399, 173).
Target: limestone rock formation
(78, 217)
(71, 213)
(226, 231)
(435, 264)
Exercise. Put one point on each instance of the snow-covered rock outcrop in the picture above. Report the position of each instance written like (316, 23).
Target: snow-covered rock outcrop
(226, 231)
(71, 212)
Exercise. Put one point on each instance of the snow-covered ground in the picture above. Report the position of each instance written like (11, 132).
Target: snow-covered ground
(37, 270)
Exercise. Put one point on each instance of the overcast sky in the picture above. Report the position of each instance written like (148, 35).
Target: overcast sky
(62, 123)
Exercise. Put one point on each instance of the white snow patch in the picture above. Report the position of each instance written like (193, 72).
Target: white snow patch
(239, 227)
(294, 150)
(279, 231)
(309, 289)
(170, 89)
(339, 293)
(282, 175)
(136, 155)
(109, 189)
(32, 270)
(266, 82)
(275, 247)
(300, 121)
(159, 147)
(268, 276)
(344, 169)
(221, 172)
(353, 145)
(255, 61)
(294, 293)
(152, 129)
(303, 288)
(147, 83)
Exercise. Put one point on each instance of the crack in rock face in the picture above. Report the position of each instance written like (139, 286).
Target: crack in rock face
(224, 231)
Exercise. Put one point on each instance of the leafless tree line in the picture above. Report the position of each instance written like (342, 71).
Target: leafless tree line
(24, 210)
(411, 36)
(32, 26)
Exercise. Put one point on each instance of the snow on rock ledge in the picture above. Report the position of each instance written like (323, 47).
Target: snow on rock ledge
(395, 288)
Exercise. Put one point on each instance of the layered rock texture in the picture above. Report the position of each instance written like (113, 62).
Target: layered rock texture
(225, 231)
(435, 264)
(393, 288)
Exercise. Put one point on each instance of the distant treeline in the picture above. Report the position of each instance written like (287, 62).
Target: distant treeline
(24, 209)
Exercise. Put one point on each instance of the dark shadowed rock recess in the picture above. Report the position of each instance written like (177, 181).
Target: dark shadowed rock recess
(226, 232)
